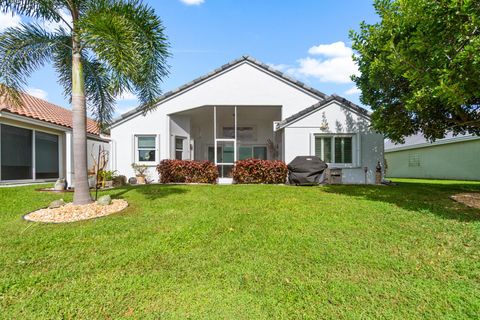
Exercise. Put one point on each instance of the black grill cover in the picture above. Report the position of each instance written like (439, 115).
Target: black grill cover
(306, 170)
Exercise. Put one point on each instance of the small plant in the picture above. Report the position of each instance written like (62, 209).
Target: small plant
(140, 172)
(107, 175)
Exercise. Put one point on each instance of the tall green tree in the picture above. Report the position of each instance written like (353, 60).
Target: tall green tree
(420, 67)
(102, 49)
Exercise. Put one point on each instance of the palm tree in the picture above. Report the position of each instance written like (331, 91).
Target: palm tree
(107, 48)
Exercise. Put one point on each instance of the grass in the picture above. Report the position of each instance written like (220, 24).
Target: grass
(247, 252)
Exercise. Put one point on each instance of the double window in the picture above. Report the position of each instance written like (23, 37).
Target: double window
(146, 146)
(334, 149)
(256, 152)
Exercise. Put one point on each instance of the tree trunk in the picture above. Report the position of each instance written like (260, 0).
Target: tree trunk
(79, 108)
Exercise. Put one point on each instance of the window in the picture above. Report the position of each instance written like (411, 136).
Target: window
(46, 155)
(255, 152)
(334, 149)
(179, 143)
(343, 149)
(146, 148)
(323, 148)
(260, 153)
(16, 150)
(413, 160)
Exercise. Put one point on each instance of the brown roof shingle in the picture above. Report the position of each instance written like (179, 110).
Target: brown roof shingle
(35, 108)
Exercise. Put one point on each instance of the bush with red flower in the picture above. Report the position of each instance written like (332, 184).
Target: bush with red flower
(260, 171)
(187, 171)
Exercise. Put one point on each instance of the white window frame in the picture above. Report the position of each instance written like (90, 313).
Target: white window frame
(334, 164)
(156, 149)
(184, 144)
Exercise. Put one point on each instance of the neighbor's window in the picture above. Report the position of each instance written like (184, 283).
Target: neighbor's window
(146, 148)
(413, 160)
(334, 149)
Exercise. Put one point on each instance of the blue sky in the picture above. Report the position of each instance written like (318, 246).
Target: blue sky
(307, 39)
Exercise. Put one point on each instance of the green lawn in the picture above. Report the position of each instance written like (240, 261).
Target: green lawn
(247, 252)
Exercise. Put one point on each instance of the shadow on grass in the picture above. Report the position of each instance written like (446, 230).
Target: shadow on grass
(422, 197)
(150, 191)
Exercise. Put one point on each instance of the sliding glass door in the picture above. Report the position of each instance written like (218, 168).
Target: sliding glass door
(16, 149)
(28, 154)
(46, 155)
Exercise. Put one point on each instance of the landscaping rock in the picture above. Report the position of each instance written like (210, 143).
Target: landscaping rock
(119, 181)
(70, 212)
(56, 204)
(132, 180)
(104, 200)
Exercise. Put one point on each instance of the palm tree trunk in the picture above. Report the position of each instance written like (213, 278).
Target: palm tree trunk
(82, 192)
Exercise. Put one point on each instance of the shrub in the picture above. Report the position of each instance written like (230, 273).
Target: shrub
(187, 171)
(260, 171)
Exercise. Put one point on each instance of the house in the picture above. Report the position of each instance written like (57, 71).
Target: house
(246, 109)
(453, 157)
(36, 141)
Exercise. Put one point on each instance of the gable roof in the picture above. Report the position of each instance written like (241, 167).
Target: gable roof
(217, 71)
(38, 109)
(347, 103)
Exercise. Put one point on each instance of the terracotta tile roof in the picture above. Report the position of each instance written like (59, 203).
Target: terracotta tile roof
(39, 109)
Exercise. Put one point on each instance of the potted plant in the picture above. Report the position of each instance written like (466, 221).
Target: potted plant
(107, 177)
(140, 172)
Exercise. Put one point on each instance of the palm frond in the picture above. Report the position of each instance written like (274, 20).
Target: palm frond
(100, 93)
(39, 9)
(23, 50)
(128, 37)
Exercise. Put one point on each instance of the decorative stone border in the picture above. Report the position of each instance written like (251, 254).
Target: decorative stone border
(73, 213)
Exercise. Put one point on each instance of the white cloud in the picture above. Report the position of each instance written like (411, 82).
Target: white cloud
(336, 49)
(352, 91)
(39, 93)
(192, 2)
(7, 20)
(127, 96)
(334, 63)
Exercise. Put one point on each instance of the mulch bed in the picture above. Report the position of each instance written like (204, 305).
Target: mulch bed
(72, 213)
(469, 199)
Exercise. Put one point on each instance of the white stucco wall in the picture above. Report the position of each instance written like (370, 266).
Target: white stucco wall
(299, 140)
(243, 85)
(247, 86)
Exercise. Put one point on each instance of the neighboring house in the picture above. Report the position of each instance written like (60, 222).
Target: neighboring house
(36, 141)
(246, 109)
(454, 157)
